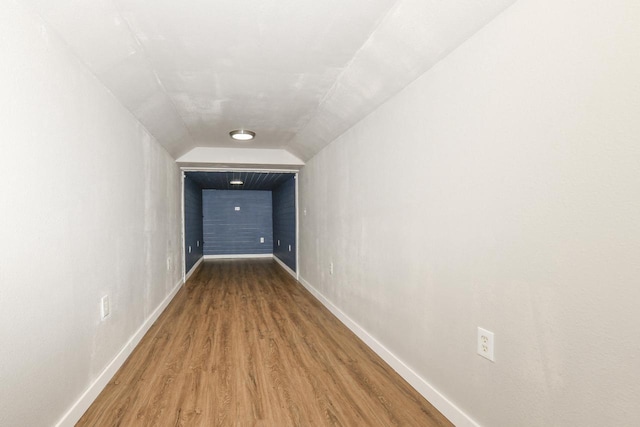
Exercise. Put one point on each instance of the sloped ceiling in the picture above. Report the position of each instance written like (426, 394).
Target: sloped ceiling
(297, 72)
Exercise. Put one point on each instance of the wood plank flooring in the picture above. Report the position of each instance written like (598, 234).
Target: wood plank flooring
(243, 344)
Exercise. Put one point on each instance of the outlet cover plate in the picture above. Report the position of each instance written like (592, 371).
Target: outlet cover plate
(485, 344)
(105, 307)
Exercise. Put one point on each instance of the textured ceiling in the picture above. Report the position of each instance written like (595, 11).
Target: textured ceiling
(252, 180)
(298, 72)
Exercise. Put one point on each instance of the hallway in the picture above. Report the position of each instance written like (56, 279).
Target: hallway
(243, 344)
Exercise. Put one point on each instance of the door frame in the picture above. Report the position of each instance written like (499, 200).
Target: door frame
(185, 169)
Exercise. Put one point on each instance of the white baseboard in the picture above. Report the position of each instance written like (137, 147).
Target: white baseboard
(437, 399)
(82, 404)
(193, 269)
(238, 256)
(286, 267)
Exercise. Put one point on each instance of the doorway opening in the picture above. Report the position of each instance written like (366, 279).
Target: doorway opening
(240, 214)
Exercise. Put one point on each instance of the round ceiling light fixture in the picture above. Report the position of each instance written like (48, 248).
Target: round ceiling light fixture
(242, 135)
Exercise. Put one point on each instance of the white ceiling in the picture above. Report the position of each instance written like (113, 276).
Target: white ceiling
(297, 72)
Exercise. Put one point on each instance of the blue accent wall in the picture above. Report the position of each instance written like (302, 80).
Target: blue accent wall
(231, 232)
(193, 235)
(284, 222)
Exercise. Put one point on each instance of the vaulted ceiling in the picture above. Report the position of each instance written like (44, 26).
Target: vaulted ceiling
(297, 72)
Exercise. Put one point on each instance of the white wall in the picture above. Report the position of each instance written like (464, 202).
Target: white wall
(501, 189)
(90, 205)
(239, 157)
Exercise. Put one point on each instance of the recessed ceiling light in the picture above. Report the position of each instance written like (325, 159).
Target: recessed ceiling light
(236, 182)
(242, 135)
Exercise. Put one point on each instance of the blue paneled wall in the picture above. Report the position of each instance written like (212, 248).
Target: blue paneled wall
(228, 231)
(284, 222)
(193, 235)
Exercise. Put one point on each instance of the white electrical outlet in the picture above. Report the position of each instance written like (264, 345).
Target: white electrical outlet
(237, 208)
(168, 263)
(289, 248)
(105, 307)
(331, 268)
(278, 242)
(189, 249)
(262, 240)
(485, 344)
(198, 243)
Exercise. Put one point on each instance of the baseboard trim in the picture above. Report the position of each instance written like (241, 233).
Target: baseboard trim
(248, 256)
(437, 399)
(285, 267)
(71, 417)
(193, 269)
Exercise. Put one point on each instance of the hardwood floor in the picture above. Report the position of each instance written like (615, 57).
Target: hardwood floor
(243, 344)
